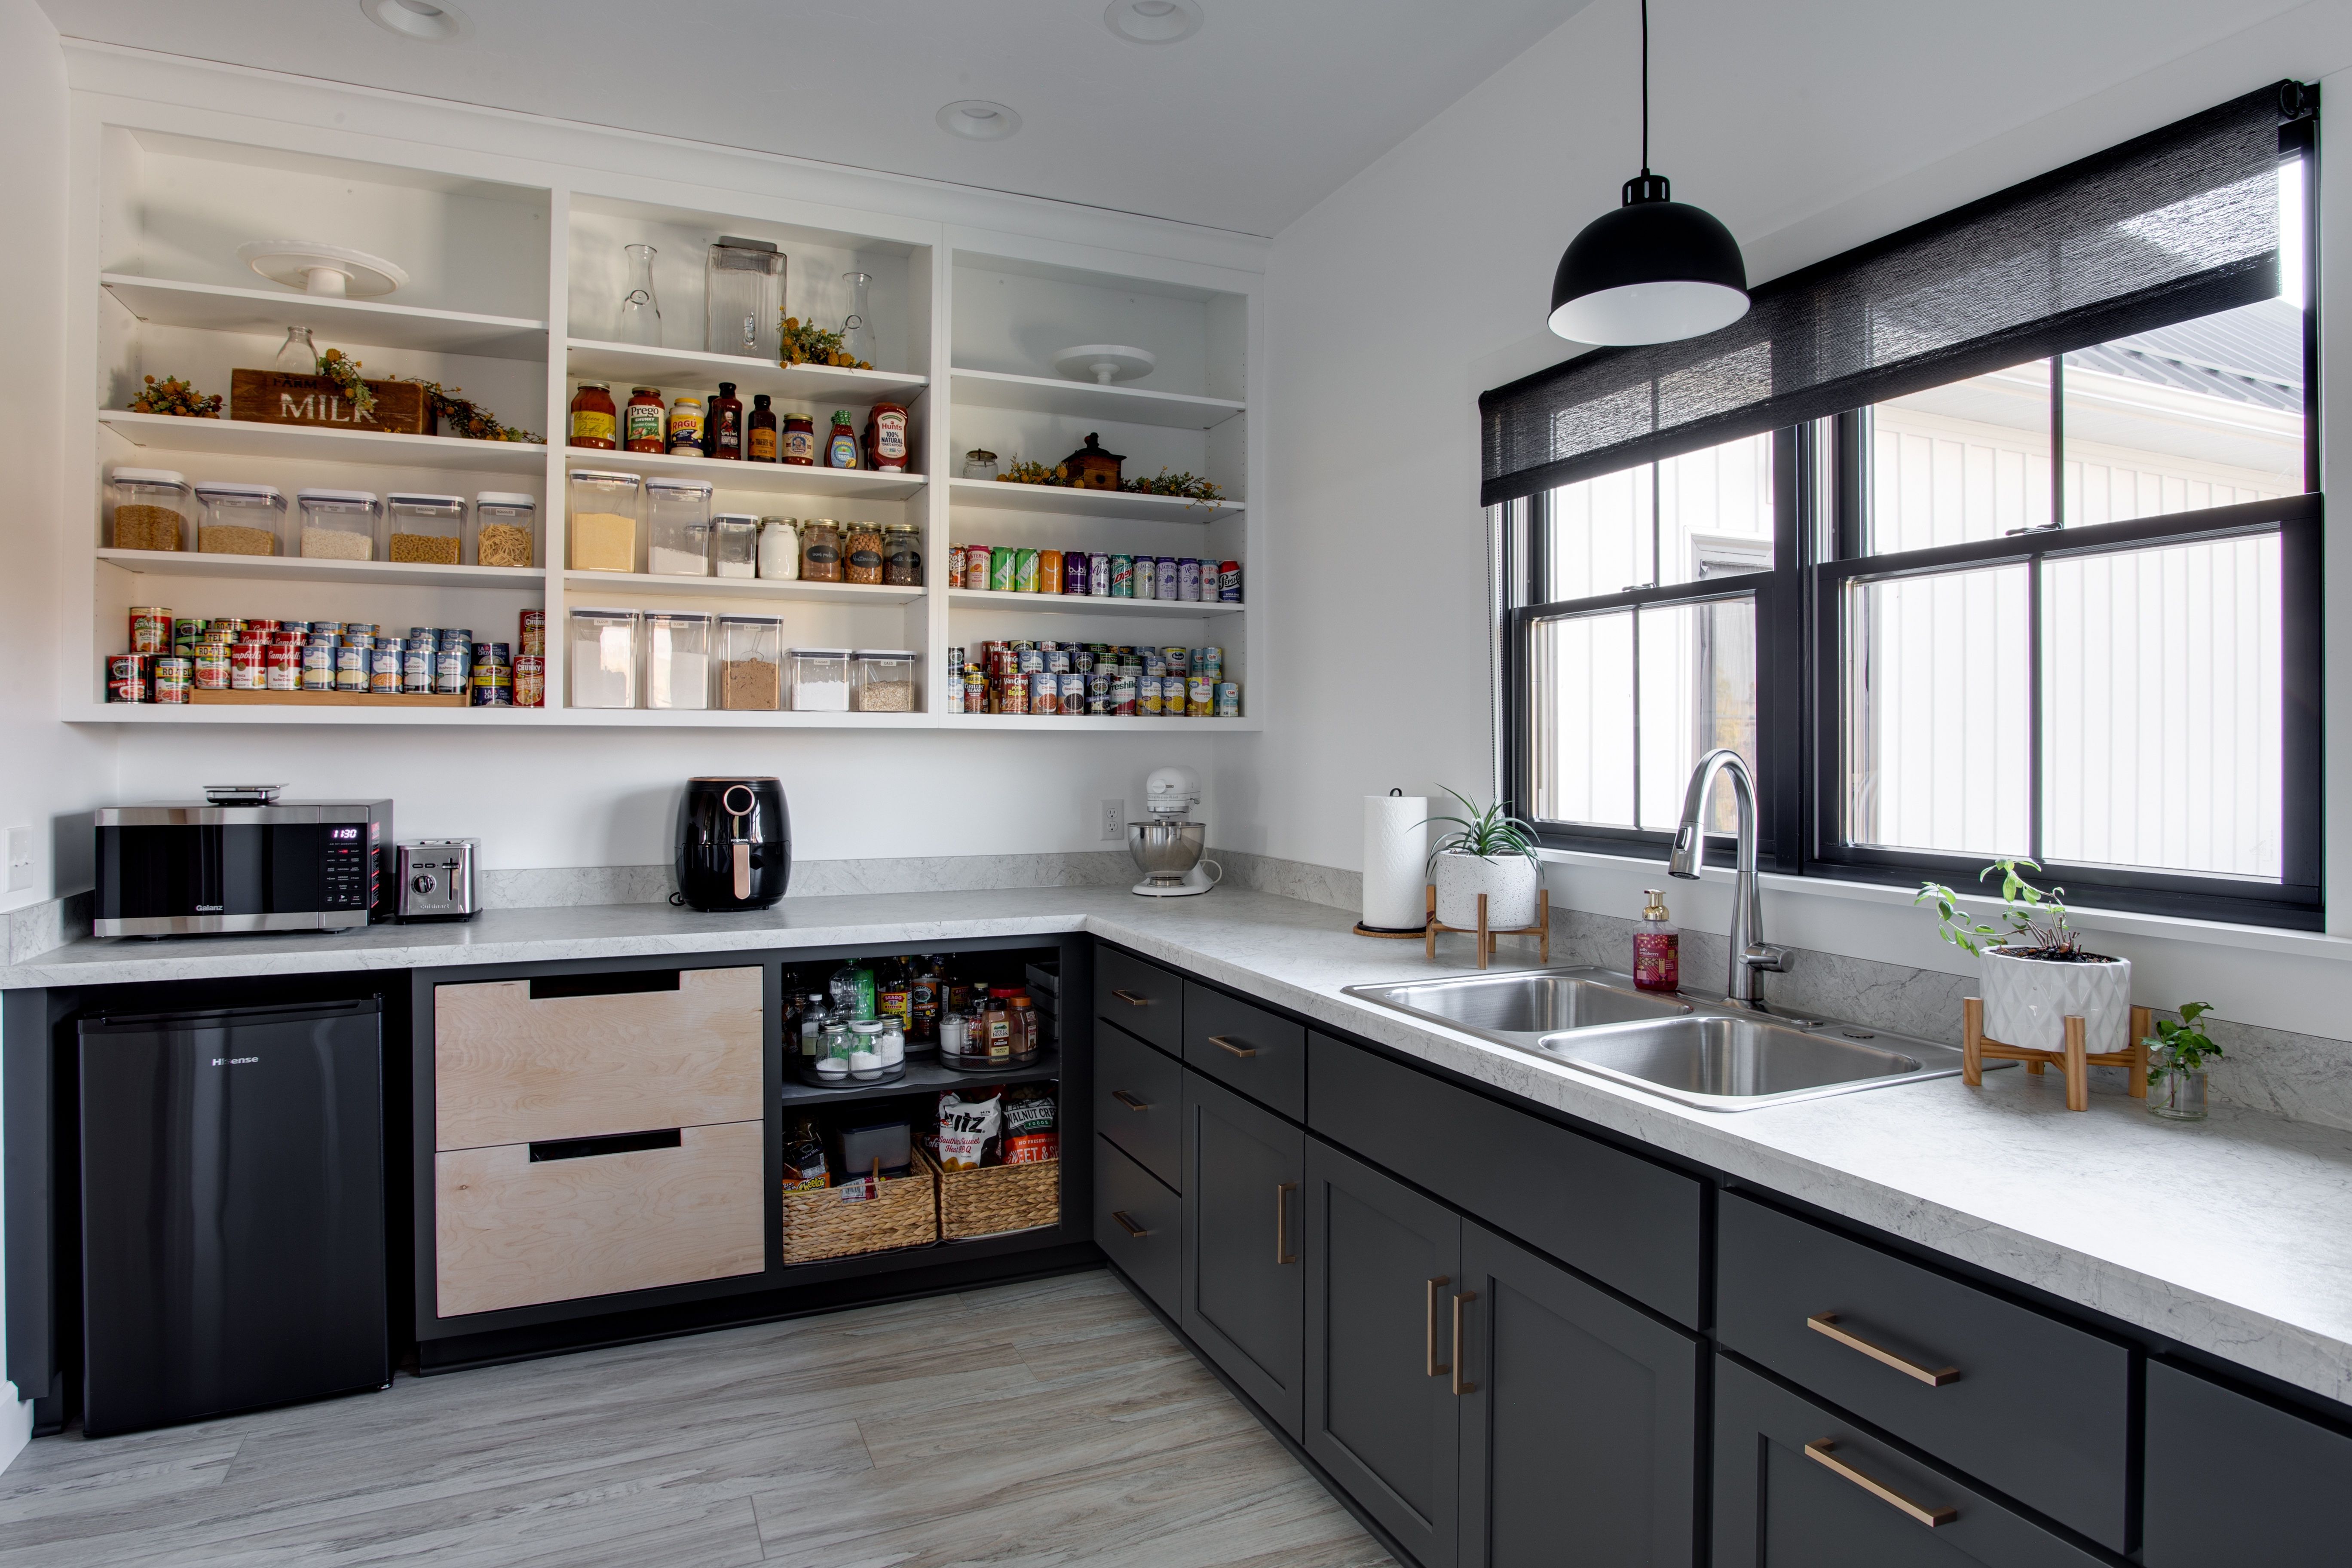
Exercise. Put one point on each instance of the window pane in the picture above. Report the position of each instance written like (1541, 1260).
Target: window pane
(2161, 709)
(1962, 462)
(1698, 692)
(1936, 712)
(1580, 718)
(1715, 511)
(1601, 535)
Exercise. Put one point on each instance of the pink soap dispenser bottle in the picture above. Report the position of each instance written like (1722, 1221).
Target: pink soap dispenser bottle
(1657, 947)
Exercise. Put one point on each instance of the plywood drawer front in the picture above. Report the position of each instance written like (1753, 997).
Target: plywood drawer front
(1246, 1048)
(510, 1231)
(2031, 1405)
(1138, 1103)
(507, 1069)
(1138, 1224)
(1141, 998)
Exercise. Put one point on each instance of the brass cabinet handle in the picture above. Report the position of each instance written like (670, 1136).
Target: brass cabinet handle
(1223, 1043)
(1129, 1100)
(1933, 1376)
(1428, 1328)
(1460, 1386)
(1819, 1451)
(1131, 999)
(1133, 1228)
(1282, 1253)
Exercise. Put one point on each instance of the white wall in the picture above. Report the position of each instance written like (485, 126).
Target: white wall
(1808, 127)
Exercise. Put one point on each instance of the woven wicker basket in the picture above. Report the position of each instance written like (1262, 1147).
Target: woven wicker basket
(996, 1199)
(822, 1222)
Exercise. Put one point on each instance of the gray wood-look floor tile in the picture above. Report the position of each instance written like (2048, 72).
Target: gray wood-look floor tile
(1043, 1423)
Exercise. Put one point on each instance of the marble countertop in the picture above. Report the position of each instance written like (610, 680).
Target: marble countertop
(2232, 1236)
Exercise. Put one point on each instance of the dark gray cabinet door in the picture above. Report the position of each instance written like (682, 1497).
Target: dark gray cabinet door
(2233, 1480)
(1381, 1394)
(1244, 1270)
(1796, 1487)
(1579, 1435)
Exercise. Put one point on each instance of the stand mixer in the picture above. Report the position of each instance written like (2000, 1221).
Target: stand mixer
(1167, 849)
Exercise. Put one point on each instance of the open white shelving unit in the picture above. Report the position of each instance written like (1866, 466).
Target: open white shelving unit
(515, 268)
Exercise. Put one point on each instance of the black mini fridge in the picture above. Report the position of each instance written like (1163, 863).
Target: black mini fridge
(233, 1211)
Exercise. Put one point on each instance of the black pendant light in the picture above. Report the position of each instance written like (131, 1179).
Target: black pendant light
(1653, 271)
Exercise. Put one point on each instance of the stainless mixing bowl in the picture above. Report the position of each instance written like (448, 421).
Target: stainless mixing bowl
(1164, 851)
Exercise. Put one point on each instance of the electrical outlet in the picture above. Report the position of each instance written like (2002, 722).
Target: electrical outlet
(1114, 819)
(20, 859)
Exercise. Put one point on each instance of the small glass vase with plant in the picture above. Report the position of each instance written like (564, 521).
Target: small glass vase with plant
(1488, 851)
(2177, 1053)
(2036, 972)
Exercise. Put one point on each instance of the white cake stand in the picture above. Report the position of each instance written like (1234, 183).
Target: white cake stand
(326, 271)
(1105, 363)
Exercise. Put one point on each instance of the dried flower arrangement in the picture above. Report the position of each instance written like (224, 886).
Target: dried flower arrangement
(805, 342)
(1191, 488)
(173, 395)
(464, 417)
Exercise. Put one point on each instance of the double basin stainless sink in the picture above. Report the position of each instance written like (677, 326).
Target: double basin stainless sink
(1689, 1049)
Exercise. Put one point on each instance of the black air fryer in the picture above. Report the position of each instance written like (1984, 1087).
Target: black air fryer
(734, 844)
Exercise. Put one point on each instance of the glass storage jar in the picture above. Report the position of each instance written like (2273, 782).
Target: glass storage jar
(861, 554)
(677, 650)
(151, 507)
(603, 659)
(338, 525)
(779, 548)
(239, 520)
(603, 525)
(750, 663)
(902, 556)
(506, 528)
(677, 528)
(820, 680)
(425, 529)
(734, 545)
(821, 549)
(882, 681)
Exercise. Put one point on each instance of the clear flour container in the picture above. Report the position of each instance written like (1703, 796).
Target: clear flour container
(606, 509)
(821, 679)
(603, 658)
(677, 649)
(677, 528)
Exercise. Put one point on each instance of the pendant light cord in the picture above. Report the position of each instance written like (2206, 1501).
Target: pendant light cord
(1645, 85)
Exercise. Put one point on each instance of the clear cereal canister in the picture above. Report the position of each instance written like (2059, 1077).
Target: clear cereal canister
(425, 529)
(239, 520)
(338, 525)
(882, 681)
(603, 659)
(151, 509)
(506, 528)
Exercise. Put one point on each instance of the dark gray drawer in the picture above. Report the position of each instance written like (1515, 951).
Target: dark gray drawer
(1138, 1223)
(1246, 1048)
(1142, 998)
(2033, 1406)
(1630, 1223)
(2232, 1479)
(1139, 1096)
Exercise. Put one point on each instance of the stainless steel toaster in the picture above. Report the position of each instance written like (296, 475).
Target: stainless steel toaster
(436, 879)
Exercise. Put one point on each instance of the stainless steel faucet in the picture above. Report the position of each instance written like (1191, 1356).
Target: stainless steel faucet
(1750, 954)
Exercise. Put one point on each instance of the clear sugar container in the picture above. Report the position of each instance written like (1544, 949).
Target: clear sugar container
(338, 525)
(821, 679)
(734, 545)
(677, 528)
(676, 648)
(603, 659)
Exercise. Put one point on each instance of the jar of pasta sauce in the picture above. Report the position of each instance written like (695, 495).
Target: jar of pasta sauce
(593, 416)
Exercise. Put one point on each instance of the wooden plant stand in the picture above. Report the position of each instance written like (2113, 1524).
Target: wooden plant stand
(1486, 936)
(2074, 1060)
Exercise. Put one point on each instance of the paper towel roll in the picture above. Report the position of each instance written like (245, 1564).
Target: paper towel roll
(1396, 852)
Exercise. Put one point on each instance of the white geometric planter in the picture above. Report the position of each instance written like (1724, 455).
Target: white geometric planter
(2026, 1001)
(1509, 882)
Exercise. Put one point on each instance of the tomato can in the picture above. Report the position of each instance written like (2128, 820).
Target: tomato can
(211, 668)
(173, 675)
(529, 680)
(151, 629)
(127, 676)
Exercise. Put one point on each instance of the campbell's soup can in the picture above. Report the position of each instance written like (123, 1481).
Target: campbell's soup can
(529, 680)
(128, 675)
(248, 667)
(282, 668)
(531, 633)
(173, 675)
(151, 629)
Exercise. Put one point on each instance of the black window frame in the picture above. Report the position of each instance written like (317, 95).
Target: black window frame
(1819, 485)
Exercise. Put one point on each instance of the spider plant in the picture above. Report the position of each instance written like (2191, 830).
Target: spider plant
(1483, 833)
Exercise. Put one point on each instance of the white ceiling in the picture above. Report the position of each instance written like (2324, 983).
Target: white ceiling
(1268, 109)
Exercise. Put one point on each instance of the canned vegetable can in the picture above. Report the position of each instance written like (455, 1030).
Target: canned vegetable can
(529, 680)
(1229, 699)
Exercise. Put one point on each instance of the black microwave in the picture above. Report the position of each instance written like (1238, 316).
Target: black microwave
(183, 870)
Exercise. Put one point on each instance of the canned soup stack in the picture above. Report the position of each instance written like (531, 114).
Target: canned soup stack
(170, 656)
(1094, 679)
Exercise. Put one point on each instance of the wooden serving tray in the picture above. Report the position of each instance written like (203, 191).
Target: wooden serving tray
(205, 697)
(269, 397)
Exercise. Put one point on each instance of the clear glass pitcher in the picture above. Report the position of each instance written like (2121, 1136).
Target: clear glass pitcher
(640, 321)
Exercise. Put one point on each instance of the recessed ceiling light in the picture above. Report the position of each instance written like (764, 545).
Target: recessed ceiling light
(1152, 21)
(418, 19)
(977, 120)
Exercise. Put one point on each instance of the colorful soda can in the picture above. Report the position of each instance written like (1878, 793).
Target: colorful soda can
(1001, 566)
(1229, 582)
(1076, 571)
(1188, 580)
(1098, 568)
(1122, 577)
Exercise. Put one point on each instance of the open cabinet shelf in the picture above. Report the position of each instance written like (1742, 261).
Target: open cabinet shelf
(767, 479)
(1091, 400)
(1066, 500)
(617, 364)
(365, 323)
(586, 587)
(307, 443)
(310, 569)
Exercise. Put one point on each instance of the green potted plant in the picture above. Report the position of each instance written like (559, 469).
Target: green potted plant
(2035, 970)
(1490, 852)
(2175, 1068)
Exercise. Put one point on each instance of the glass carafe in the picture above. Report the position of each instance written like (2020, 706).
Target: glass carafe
(298, 355)
(857, 328)
(640, 321)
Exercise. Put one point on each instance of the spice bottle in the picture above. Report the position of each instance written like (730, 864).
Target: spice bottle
(641, 421)
(1657, 947)
(593, 416)
(760, 443)
(726, 424)
(800, 440)
(841, 445)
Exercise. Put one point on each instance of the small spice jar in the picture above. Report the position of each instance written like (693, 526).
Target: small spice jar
(642, 425)
(800, 440)
(750, 663)
(821, 550)
(151, 507)
(902, 556)
(734, 545)
(425, 529)
(593, 416)
(779, 549)
(506, 528)
(338, 525)
(861, 553)
(239, 520)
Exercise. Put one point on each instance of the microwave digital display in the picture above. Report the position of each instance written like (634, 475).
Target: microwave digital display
(343, 833)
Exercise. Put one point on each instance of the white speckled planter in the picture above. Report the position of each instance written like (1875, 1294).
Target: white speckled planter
(1509, 882)
(2027, 1000)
